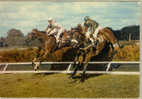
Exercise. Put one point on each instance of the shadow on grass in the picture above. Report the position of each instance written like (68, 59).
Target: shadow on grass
(44, 74)
(79, 77)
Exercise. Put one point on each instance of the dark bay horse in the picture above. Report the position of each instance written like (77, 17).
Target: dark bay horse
(88, 50)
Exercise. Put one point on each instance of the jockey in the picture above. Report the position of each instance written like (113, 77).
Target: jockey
(93, 27)
(59, 32)
(51, 28)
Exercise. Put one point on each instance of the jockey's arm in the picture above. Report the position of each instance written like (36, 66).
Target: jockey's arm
(52, 31)
(47, 30)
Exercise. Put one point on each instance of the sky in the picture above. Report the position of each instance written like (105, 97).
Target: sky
(28, 15)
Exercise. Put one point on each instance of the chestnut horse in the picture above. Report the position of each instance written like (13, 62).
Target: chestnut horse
(48, 45)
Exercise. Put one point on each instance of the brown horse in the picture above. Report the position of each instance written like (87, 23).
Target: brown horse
(48, 45)
(84, 55)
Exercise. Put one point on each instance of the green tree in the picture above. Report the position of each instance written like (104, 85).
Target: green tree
(15, 38)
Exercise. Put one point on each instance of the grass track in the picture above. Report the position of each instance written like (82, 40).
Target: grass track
(58, 85)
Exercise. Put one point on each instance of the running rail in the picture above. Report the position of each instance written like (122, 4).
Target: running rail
(97, 62)
(70, 65)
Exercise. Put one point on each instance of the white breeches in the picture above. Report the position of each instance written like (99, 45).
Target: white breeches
(52, 32)
(58, 35)
(94, 34)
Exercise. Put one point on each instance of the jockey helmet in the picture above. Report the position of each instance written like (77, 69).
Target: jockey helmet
(50, 19)
(86, 18)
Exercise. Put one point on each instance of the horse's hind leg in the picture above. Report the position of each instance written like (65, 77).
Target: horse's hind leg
(120, 46)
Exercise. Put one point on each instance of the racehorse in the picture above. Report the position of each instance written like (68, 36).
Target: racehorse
(88, 50)
(48, 45)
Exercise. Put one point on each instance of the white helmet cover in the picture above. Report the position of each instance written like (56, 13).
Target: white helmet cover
(50, 19)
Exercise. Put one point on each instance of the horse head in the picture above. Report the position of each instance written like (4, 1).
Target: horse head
(65, 39)
(78, 38)
(36, 34)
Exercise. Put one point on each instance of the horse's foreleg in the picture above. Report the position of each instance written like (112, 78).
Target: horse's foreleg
(84, 71)
(75, 70)
(87, 59)
(35, 59)
(37, 65)
(75, 66)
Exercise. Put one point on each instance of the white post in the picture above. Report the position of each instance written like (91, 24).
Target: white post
(108, 66)
(69, 67)
(4, 69)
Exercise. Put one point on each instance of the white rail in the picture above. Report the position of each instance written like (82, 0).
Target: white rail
(69, 67)
(97, 62)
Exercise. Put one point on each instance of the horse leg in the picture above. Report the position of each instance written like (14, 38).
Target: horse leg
(75, 70)
(38, 56)
(37, 65)
(75, 66)
(87, 59)
(120, 46)
(84, 71)
(115, 42)
(35, 59)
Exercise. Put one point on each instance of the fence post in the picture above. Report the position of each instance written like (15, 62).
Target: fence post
(69, 67)
(4, 69)
(108, 66)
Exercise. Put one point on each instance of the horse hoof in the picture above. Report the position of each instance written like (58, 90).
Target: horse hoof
(35, 69)
(70, 77)
(82, 80)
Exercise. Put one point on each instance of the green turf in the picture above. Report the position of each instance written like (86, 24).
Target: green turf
(58, 85)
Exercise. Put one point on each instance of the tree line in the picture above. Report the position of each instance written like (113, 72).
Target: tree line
(128, 33)
(16, 37)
